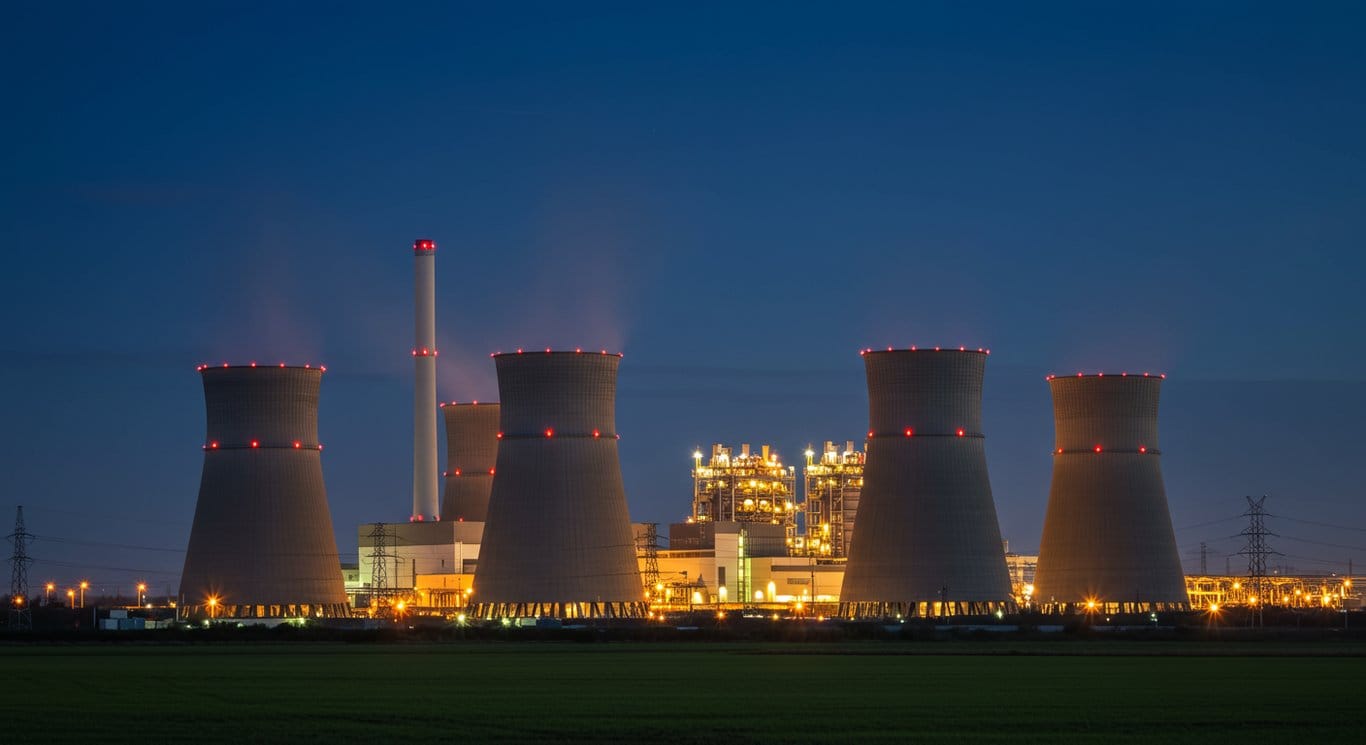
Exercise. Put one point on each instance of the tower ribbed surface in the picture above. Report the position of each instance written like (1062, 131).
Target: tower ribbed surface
(262, 542)
(471, 457)
(558, 539)
(926, 540)
(1107, 535)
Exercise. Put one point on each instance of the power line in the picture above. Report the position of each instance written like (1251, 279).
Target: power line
(1257, 549)
(1324, 543)
(99, 544)
(108, 517)
(379, 565)
(1319, 524)
(105, 567)
(20, 616)
(1211, 522)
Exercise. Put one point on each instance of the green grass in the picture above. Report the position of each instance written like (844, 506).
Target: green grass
(701, 693)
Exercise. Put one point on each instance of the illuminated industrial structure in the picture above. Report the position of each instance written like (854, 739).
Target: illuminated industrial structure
(558, 539)
(1284, 591)
(471, 456)
(926, 542)
(832, 489)
(261, 545)
(745, 488)
(1107, 538)
(425, 505)
(1022, 568)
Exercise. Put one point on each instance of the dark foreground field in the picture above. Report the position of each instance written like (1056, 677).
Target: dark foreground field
(701, 693)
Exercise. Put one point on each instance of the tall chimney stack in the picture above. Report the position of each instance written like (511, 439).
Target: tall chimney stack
(425, 506)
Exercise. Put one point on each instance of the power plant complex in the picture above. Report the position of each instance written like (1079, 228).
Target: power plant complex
(534, 521)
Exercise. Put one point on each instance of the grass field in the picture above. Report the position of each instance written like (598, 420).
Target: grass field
(698, 693)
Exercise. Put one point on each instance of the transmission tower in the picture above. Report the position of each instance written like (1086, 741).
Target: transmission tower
(651, 556)
(1257, 551)
(379, 566)
(20, 616)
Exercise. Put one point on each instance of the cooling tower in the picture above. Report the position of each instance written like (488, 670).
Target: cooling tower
(558, 538)
(471, 455)
(262, 543)
(926, 542)
(1107, 536)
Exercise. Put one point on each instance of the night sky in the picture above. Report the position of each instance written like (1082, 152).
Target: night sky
(738, 199)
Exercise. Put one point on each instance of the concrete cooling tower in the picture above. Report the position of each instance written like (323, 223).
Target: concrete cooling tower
(558, 538)
(1107, 541)
(926, 542)
(262, 543)
(471, 456)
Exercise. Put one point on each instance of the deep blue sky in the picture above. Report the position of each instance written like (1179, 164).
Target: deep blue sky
(738, 198)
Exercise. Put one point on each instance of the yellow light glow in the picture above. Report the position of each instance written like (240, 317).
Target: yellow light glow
(1213, 607)
(86, 585)
(51, 586)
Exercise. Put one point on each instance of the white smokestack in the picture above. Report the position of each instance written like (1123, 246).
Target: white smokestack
(425, 505)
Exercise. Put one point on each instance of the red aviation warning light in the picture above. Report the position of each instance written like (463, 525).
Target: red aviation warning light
(422, 245)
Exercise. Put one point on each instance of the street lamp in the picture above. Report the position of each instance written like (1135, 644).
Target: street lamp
(47, 594)
(142, 588)
(84, 586)
(70, 597)
(213, 607)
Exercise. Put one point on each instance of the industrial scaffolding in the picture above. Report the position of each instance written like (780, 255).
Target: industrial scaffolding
(745, 488)
(833, 485)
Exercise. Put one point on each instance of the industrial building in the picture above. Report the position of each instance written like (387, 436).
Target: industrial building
(558, 539)
(1022, 569)
(926, 542)
(1107, 538)
(1294, 591)
(261, 545)
(471, 456)
(745, 487)
(832, 488)
(397, 559)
